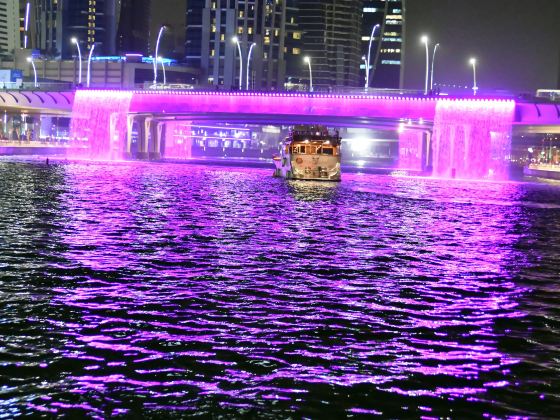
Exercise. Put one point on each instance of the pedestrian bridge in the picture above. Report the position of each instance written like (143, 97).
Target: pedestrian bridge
(434, 130)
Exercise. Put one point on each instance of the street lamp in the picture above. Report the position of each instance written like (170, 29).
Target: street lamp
(308, 61)
(26, 25)
(364, 59)
(156, 52)
(433, 61)
(368, 62)
(249, 62)
(426, 42)
(473, 64)
(236, 40)
(163, 68)
(89, 64)
(75, 41)
(30, 60)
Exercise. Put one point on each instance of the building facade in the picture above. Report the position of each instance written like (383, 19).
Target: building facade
(9, 27)
(42, 26)
(133, 34)
(387, 52)
(91, 22)
(331, 32)
(212, 26)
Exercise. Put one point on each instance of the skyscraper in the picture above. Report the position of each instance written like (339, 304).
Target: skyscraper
(44, 30)
(134, 27)
(293, 44)
(91, 22)
(332, 40)
(211, 28)
(386, 61)
(9, 27)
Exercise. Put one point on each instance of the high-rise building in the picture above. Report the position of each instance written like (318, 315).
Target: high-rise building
(91, 22)
(387, 52)
(40, 26)
(140, 22)
(49, 25)
(133, 34)
(9, 27)
(211, 28)
(293, 47)
(332, 40)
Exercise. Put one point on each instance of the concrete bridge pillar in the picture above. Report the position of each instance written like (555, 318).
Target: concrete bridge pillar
(145, 125)
(130, 120)
(155, 145)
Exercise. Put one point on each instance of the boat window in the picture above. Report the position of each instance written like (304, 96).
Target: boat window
(328, 151)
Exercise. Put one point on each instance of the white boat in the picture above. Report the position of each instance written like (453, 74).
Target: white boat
(310, 152)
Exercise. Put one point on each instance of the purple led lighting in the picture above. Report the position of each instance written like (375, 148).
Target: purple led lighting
(99, 120)
(281, 104)
(192, 289)
(471, 137)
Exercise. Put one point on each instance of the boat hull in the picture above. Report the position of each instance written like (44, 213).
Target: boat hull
(308, 167)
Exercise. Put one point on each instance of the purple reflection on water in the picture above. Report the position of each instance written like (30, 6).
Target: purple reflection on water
(190, 288)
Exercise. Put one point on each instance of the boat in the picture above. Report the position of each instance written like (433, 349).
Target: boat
(310, 152)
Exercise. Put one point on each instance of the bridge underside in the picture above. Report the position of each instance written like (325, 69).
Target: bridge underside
(289, 120)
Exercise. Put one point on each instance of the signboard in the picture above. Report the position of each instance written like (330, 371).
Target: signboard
(16, 75)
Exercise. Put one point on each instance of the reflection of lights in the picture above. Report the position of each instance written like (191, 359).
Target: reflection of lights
(360, 163)
(530, 149)
(401, 128)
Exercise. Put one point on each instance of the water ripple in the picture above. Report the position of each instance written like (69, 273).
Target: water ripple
(168, 290)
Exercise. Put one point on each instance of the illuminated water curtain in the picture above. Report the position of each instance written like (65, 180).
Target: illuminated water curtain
(470, 138)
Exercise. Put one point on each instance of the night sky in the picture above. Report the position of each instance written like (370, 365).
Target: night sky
(517, 42)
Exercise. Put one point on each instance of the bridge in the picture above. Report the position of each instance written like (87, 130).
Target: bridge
(463, 135)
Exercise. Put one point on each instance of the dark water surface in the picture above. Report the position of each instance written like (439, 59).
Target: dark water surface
(153, 290)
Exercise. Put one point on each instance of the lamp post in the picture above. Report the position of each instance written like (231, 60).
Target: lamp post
(426, 42)
(249, 62)
(163, 68)
(88, 79)
(473, 64)
(433, 61)
(26, 25)
(364, 59)
(236, 40)
(157, 52)
(308, 61)
(30, 60)
(368, 61)
(77, 43)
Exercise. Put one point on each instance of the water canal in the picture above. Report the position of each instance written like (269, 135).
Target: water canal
(162, 290)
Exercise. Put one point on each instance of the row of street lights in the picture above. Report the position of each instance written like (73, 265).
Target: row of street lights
(425, 40)
(307, 60)
(76, 42)
(235, 39)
